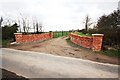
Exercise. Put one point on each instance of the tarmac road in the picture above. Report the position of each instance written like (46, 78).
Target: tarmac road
(40, 65)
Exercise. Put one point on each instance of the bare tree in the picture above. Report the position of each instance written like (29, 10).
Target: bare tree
(19, 26)
(8, 22)
(24, 25)
(87, 22)
(38, 27)
(1, 20)
(27, 26)
(34, 26)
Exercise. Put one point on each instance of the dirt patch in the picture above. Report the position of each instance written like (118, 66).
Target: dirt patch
(71, 53)
(59, 46)
(76, 49)
(35, 46)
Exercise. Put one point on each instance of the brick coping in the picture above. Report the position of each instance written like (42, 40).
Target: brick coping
(97, 34)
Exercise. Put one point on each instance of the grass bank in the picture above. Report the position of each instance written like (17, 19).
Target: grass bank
(81, 34)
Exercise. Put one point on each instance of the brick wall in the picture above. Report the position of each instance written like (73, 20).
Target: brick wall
(97, 42)
(93, 42)
(21, 38)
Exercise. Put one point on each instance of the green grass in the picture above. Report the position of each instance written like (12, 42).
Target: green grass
(60, 34)
(4, 43)
(111, 53)
(81, 34)
(65, 33)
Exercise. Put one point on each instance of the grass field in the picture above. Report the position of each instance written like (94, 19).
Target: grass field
(60, 34)
(81, 34)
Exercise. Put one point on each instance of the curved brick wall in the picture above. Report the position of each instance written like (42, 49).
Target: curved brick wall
(93, 42)
(21, 38)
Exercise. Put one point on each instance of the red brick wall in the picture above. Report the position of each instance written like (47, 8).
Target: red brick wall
(94, 42)
(81, 41)
(97, 42)
(21, 38)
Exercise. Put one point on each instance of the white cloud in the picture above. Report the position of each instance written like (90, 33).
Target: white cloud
(57, 14)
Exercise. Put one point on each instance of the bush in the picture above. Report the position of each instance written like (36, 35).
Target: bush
(8, 32)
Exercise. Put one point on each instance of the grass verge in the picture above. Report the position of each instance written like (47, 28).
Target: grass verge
(3, 43)
(111, 53)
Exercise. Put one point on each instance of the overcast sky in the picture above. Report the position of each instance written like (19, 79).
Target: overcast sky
(57, 14)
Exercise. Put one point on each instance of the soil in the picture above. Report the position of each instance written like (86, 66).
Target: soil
(59, 46)
(8, 75)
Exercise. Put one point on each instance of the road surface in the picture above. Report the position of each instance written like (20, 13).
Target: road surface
(40, 65)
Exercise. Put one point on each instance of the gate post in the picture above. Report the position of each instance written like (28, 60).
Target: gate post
(97, 42)
(50, 34)
(18, 37)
